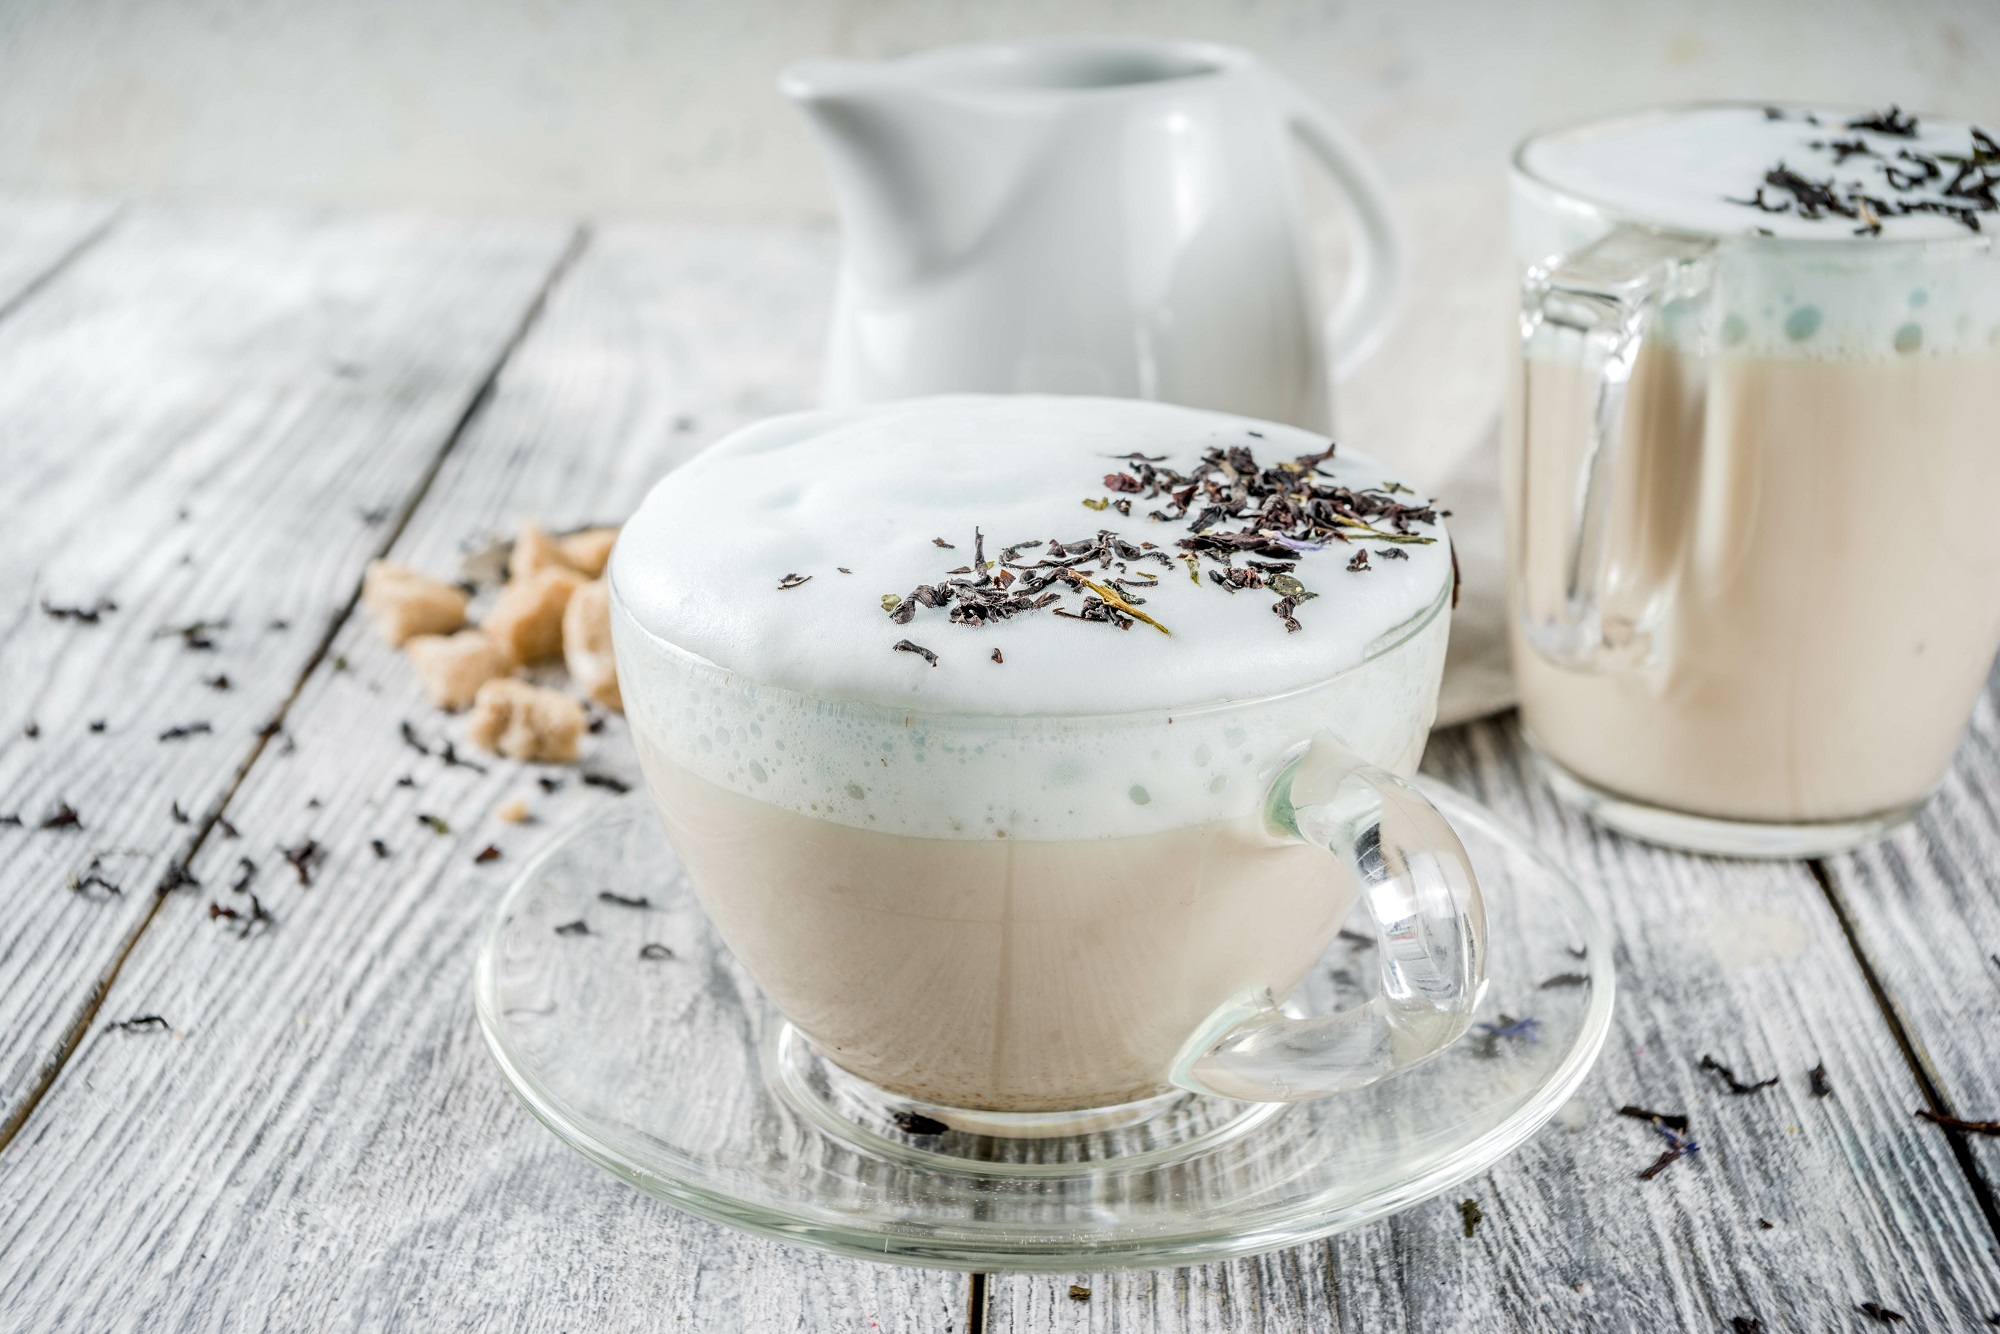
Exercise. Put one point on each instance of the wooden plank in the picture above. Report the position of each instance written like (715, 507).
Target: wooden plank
(211, 417)
(339, 1151)
(1280, 1293)
(1741, 960)
(1925, 908)
(41, 237)
(323, 1143)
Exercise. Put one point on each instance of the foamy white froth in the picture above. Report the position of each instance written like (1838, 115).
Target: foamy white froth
(1680, 168)
(797, 697)
(1862, 297)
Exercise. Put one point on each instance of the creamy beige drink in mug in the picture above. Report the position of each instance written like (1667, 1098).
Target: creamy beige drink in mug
(1753, 467)
(1006, 741)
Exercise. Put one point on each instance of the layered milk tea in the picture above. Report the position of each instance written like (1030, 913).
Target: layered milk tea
(1783, 555)
(961, 714)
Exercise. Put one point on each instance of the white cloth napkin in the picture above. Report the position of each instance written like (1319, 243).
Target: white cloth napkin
(1429, 402)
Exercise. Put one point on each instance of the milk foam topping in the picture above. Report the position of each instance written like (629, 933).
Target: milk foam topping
(855, 502)
(1709, 170)
(772, 555)
(1696, 168)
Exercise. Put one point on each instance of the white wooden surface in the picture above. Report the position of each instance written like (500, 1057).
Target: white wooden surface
(343, 1154)
(204, 417)
(319, 1140)
(40, 237)
(1925, 907)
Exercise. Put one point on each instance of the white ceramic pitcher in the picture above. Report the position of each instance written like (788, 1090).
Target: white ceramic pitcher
(1090, 215)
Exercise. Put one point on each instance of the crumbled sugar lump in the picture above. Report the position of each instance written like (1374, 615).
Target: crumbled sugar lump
(554, 605)
(534, 551)
(526, 621)
(586, 635)
(453, 667)
(587, 552)
(403, 603)
(515, 811)
(525, 722)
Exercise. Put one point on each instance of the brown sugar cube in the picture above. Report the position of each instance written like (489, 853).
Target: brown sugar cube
(526, 621)
(453, 667)
(534, 551)
(588, 551)
(587, 644)
(525, 722)
(403, 603)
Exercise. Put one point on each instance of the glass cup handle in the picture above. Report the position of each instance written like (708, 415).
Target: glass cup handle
(1430, 925)
(1594, 309)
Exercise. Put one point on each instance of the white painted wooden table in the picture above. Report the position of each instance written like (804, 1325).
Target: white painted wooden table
(218, 417)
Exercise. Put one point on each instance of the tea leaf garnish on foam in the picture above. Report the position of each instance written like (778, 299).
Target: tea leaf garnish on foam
(1892, 121)
(1231, 509)
(1915, 182)
(1111, 598)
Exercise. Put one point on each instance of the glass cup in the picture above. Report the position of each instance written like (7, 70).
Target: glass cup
(1754, 574)
(907, 892)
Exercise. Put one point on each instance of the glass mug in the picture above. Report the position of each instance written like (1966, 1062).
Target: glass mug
(956, 968)
(1754, 574)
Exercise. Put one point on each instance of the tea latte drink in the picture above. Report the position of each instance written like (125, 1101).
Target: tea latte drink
(962, 714)
(1754, 466)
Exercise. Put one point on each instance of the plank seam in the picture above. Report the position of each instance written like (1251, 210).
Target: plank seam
(73, 1034)
(975, 1305)
(61, 265)
(1928, 1083)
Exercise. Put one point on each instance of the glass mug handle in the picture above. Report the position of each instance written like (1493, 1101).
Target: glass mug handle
(1418, 887)
(1594, 310)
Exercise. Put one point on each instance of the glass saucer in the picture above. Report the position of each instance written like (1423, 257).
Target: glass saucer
(635, 1036)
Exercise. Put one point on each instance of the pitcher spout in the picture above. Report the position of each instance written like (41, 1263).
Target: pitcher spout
(808, 81)
(920, 173)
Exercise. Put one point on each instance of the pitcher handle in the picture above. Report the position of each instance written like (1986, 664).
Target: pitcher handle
(1595, 309)
(1418, 887)
(1375, 287)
